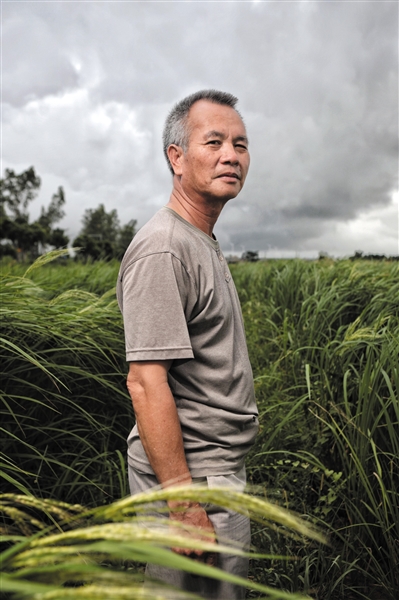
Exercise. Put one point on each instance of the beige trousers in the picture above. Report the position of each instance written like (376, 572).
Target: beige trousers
(228, 525)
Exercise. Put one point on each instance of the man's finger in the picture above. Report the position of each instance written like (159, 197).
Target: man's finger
(187, 551)
(210, 558)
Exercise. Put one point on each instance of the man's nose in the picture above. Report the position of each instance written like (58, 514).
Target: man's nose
(229, 154)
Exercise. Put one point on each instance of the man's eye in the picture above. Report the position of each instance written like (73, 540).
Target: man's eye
(241, 146)
(214, 142)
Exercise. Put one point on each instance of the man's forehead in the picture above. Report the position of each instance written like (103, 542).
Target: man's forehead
(211, 117)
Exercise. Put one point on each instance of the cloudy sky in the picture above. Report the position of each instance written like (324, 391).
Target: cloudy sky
(87, 85)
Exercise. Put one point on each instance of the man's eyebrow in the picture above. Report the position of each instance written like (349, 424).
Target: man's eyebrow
(241, 138)
(218, 134)
(214, 133)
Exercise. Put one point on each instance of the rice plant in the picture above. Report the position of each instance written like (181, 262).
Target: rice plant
(56, 551)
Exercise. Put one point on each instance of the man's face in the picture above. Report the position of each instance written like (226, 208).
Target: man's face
(216, 162)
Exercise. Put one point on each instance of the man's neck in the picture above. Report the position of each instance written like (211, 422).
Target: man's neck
(200, 212)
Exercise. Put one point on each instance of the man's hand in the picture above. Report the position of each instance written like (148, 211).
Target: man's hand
(193, 515)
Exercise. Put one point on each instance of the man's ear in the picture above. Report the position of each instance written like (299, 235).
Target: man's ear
(175, 155)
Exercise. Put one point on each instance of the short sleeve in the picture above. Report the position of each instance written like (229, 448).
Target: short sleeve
(155, 291)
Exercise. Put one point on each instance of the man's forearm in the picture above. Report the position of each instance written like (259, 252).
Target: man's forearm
(160, 433)
(158, 423)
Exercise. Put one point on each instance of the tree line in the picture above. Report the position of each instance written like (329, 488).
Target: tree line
(101, 236)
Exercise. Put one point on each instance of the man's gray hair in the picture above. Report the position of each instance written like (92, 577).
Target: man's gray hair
(176, 130)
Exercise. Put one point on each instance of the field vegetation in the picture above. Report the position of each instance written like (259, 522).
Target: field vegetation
(323, 339)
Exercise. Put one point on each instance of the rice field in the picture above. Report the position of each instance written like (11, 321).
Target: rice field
(323, 339)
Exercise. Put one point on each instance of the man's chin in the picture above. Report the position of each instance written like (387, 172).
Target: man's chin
(228, 192)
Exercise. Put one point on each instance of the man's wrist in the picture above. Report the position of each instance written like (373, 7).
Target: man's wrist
(176, 481)
(182, 505)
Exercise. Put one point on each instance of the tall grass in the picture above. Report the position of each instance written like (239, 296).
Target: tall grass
(62, 274)
(65, 413)
(324, 342)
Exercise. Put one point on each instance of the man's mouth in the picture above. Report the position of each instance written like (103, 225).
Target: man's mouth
(230, 176)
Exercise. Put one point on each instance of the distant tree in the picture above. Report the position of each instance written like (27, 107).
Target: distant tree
(18, 236)
(57, 238)
(101, 235)
(250, 256)
(54, 212)
(361, 256)
(24, 236)
(125, 236)
(17, 191)
(100, 224)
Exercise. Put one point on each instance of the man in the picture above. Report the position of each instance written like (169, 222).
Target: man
(189, 378)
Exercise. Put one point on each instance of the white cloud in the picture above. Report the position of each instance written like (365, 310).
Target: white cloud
(71, 135)
(373, 232)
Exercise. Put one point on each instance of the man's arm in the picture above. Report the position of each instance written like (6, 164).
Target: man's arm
(160, 433)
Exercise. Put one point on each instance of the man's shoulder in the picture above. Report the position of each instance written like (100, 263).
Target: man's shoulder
(164, 232)
(157, 230)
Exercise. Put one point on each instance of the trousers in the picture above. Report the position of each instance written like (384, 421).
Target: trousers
(228, 525)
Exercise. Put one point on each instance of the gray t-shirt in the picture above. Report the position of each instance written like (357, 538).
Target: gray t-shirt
(179, 302)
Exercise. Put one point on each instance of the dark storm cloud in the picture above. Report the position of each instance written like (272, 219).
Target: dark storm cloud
(87, 86)
(34, 63)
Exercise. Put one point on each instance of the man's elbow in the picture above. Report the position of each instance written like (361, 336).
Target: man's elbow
(147, 380)
(136, 389)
